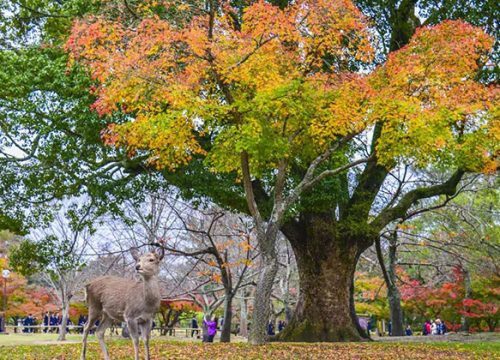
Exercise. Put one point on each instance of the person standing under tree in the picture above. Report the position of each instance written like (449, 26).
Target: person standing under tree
(211, 329)
(194, 327)
(281, 325)
(270, 328)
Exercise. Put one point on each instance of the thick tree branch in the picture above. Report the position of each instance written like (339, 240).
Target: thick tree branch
(381, 262)
(306, 183)
(407, 201)
(310, 180)
(247, 183)
(131, 11)
(370, 182)
(279, 187)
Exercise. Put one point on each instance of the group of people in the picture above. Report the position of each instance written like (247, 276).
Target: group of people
(50, 322)
(432, 327)
(210, 326)
(28, 322)
(270, 327)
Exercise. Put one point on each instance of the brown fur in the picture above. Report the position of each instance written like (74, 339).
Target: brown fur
(135, 302)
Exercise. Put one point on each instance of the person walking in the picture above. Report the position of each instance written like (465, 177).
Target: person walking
(194, 327)
(46, 319)
(31, 323)
(53, 323)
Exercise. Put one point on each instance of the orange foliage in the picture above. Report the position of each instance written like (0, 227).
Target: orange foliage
(429, 100)
(180, 305)
(24, 299)
(169, 77)
(280, 86)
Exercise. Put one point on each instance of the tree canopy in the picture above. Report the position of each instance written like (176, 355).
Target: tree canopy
(279, 86)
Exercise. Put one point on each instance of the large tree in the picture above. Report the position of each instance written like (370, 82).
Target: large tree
(325, 221)
(276, 97)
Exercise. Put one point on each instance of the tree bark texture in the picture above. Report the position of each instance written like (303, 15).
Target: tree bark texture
(262, 311)
(243, 314)
(228, 318)
(393, 294)
(467, 295)
(326, 263)
(64, 322)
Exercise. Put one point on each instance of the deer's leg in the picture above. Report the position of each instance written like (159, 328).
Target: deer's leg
(134, 334)
(101, 329)
(145, 333)
(90, 322)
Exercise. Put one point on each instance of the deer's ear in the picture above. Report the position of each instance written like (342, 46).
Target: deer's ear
(160, 252)
(135, 253)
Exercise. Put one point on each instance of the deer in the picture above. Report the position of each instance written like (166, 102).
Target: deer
(111, 298)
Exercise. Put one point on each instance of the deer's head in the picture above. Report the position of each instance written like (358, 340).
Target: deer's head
(147, 265)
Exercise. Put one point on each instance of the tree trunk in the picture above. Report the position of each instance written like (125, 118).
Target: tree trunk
(326, 269)
(396, 311)
(261, 312)
(286, 293)
(393, 294)
(468, 294)
(492, 324)
(243, 314)
(64, 322)
(204, 327)
(352, 307)
(225, 335)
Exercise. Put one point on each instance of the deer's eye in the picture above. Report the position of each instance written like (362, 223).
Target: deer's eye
(151, 260)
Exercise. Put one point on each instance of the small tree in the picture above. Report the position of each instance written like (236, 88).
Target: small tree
(216, 244)
(56, 256)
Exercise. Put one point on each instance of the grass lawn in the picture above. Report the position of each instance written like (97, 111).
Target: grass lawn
(35, 339)
(167, 349)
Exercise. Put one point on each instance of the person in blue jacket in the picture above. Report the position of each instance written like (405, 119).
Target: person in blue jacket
(408, 331)
(270, 328)
(53, 323)
(81, 323)
(46, 319)
(281, 325)
(194, 327)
